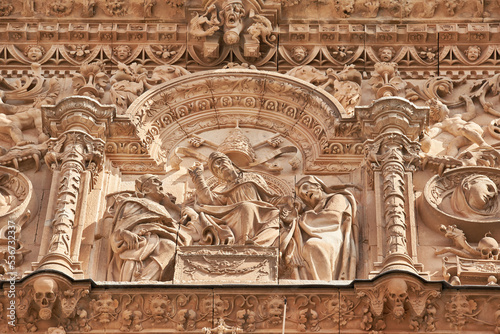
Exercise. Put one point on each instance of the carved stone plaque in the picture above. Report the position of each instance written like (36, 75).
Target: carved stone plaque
(226, 264)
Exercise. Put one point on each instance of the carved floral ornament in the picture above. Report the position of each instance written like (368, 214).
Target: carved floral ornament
(393, 303)
(338, 9)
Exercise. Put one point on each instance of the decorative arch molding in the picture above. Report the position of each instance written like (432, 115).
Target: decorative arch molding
(306, 115)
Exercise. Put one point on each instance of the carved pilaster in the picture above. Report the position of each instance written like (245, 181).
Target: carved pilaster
(72, 153)
(391, 154)
(80, 126)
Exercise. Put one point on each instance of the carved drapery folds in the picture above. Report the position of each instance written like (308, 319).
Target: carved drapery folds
(394, 124)
(79, 125)
(175, 143)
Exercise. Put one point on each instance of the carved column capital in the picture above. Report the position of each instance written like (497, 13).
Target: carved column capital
(392, 147)
(78, 113)
(392, 114)
(77, 147)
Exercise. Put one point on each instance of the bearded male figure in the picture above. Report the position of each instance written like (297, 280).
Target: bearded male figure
(145, 234)
(243, 212)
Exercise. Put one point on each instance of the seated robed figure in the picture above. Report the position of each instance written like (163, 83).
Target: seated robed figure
(145, 234)
(243, 212)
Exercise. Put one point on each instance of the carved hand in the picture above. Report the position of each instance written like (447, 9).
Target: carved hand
(131, 239)
(187, 211)
(196, 170)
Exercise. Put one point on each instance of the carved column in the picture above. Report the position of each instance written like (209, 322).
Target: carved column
(392, 126)
(78, 126)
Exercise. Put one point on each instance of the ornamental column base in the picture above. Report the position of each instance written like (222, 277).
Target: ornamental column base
(61, 263)
(399, 262)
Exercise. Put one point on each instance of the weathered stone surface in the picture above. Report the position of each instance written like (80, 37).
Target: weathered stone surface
(235, 166)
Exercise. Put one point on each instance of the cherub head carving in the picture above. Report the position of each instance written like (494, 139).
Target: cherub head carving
(122, 52)
(34, 52)
(386, 53)
(299, 53)
(473, 52)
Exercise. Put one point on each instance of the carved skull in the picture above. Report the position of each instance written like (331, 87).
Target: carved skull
(489, 248)
(45, 296)
(397, 293)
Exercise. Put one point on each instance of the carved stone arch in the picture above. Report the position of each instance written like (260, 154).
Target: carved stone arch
(302, 113)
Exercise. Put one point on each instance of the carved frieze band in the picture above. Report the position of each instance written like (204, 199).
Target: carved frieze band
(391, 303)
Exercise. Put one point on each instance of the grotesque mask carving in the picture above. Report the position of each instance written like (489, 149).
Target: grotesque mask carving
(386, 53)
(160, 306)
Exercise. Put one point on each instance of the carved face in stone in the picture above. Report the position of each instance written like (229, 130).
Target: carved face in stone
(219, 306)
(222, 167)
(397, 292)
(150, 186)
(34, 52)
(233, 12)
(346, 7)
(122, 52)
(45, 296)
(489, 248)
(473, 52)
(386, 53)
(299, 53)
(105, 307)
(159, 307)
(275, 308)
(310, 192)
(480, 191)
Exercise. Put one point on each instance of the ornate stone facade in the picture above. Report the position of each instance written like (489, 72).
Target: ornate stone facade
(237, 166)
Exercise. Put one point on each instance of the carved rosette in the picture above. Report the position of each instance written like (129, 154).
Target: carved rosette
(394, 123)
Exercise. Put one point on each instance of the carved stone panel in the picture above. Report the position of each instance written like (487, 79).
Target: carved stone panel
(223, 264)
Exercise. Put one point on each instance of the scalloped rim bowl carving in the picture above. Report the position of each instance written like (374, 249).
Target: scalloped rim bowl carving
(19, 187)
(434, 211)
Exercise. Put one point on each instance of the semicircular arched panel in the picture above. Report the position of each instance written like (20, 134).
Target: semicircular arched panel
(192, 104)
